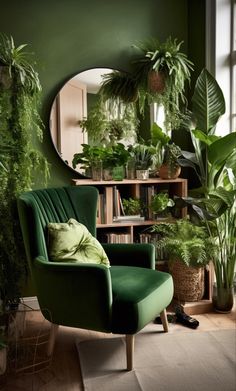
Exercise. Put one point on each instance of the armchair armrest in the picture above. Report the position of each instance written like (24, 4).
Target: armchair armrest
(73, 294)
(131, 254)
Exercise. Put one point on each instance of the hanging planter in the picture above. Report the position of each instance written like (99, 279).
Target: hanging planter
(156, 82)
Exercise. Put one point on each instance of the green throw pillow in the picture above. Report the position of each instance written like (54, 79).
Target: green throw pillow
(73, 242)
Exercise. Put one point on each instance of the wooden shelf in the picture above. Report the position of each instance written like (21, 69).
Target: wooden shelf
(156, 180)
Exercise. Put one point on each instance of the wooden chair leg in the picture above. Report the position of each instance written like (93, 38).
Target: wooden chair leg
(130, 351)
(52, 339)
(164, 320)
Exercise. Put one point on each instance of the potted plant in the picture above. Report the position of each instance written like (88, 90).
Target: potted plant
(114, 161)
(143, 155)
(90, 159)
(188, 249)
(132, 206)
(119, 86)
(20, 123)
(170, 167)
(162, 71)
(214, 163)
(160, 204)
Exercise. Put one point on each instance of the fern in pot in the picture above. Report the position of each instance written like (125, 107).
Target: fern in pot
(188, 249)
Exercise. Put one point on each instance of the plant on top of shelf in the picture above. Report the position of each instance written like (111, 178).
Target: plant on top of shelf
(20, 122)
(170, 167)
(162, 71)
(142, 155)
(90, 155)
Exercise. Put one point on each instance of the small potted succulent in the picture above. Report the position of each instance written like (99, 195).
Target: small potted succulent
(143, 157)
(170, 168)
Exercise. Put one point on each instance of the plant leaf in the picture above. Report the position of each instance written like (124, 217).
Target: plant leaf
(208, 102)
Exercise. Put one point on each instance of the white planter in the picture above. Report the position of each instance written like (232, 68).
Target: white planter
(142, 175)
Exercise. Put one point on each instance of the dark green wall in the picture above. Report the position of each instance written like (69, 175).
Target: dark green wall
(72, 35)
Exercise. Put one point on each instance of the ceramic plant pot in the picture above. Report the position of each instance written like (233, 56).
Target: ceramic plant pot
(142, 175)
(165, 172)
(222, 299)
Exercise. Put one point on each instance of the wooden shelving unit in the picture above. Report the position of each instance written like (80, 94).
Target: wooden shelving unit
(131, 229)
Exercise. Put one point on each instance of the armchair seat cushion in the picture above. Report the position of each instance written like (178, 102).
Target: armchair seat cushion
(139, 295)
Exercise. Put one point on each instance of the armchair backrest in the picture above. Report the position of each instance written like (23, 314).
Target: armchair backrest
(39, 207)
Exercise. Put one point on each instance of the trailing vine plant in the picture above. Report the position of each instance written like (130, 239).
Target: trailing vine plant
(19, 124)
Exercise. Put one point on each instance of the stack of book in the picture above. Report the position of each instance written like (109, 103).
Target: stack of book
(118, 237)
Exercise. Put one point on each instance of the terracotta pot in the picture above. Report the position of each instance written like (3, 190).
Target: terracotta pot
(156, 81)
(165, 173)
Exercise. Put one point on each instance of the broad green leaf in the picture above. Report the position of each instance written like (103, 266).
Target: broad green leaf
(208, 139)
(221, 149)
(158, 135)
(208, 102)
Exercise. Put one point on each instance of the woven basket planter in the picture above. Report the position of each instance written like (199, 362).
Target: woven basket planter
(188, 281)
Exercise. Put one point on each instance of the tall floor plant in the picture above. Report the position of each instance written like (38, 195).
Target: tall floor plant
(214, 161)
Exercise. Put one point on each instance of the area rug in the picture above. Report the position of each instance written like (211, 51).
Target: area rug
(184, 361)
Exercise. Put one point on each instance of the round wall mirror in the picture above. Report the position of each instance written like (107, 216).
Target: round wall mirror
(76, 100)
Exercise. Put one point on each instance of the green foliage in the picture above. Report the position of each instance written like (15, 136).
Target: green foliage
(160, 202)
(214, 161)
(171, 154)
(167, 59)
(19, 123)
(19, 63)
(142, 155)
(107, 123)
(132, 206)
(110, 156)
(119, 85)
(185, 241)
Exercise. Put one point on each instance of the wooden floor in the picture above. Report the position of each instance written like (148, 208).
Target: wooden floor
(63, 374)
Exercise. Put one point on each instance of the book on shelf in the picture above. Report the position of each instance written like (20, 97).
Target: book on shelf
(128, 218)
(112, 237)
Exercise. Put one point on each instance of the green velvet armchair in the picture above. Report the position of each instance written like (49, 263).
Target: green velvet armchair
(121, 299)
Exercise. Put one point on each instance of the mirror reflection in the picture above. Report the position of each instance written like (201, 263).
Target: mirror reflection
(80, 116)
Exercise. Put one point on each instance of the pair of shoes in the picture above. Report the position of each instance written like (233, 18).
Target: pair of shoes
(185, 319)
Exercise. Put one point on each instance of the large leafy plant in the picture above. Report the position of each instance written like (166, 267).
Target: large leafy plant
(19, 123)
(214, 161)
(184, 241)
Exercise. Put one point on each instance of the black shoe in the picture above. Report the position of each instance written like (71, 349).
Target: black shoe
(170, 318)
(185, 319)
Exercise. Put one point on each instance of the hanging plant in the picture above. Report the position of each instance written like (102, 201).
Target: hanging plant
(19, 123)
(161, 71)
